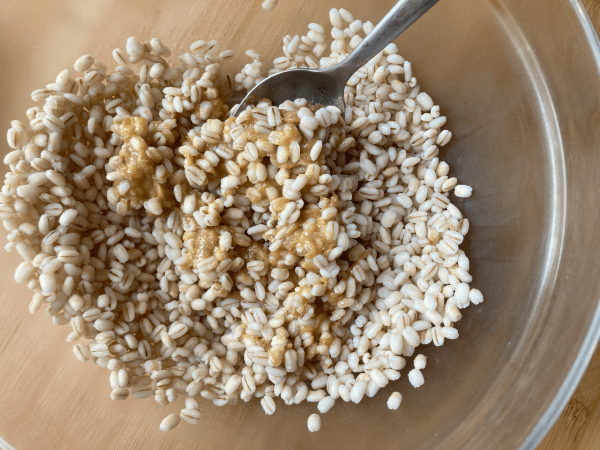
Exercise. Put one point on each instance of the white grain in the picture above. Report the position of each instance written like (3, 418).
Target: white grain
(394, 401)
(314, 422)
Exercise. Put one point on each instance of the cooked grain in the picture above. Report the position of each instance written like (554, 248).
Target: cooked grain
(131, 275)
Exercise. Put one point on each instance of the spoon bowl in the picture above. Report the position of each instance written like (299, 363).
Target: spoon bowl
(317, 86)
(325, 87)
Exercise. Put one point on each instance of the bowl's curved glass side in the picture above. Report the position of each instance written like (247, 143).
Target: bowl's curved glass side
(518, 113)
(558, 338)
(582, 48)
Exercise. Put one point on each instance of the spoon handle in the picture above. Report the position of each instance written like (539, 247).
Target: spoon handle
(398, 19)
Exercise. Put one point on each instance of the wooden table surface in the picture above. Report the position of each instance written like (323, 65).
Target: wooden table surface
(578, 427)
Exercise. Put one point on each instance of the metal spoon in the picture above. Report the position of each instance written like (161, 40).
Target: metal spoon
(326, 86)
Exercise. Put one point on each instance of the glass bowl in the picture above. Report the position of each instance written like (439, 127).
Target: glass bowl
(518, 82)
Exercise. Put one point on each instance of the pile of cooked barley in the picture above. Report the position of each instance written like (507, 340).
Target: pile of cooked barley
(295, 251)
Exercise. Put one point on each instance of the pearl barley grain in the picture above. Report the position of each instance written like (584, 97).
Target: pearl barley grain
(314, 422)
(82, 352)
(190, 415)
(170, 422)
(416, 378)
(420, 362)
(119, 394)
(198, 280)
(269, 5)
(268, 404)
(394, 400)
(84, 63)
(475, 296)
(463, 191)
(325, 404)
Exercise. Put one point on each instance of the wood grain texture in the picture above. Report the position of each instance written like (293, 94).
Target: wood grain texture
(578, 427)
(593, 9)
